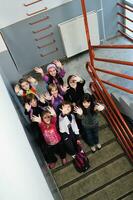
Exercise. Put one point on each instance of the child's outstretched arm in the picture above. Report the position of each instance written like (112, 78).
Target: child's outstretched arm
(99, 107)
(78, 110)
(52, 111)
(36, 119)
(78, 79)
(18, 90)
(39, 70)
(58, 64)
(32, 80)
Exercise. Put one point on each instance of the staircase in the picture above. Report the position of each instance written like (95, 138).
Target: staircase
(110, 176)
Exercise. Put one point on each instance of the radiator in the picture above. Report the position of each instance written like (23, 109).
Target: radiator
(73, 34)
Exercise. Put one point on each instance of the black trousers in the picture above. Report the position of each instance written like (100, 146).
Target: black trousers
(70, 142)
(52, 150)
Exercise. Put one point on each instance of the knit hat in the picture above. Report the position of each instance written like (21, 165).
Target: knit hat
(50, 66)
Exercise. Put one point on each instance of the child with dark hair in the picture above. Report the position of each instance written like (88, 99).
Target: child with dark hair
(47, 124)
(34, 106)
(55, 73)
(75, 91)
(68, 128)
(27, 86)
(89, 120)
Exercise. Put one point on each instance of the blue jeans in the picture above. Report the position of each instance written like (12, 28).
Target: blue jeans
(91, 135)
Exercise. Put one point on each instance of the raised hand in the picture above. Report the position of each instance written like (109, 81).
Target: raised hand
(99, 107)
(18, 90)
(27, 107)
(64, 88)
(77, 78)
(52, 111)
(32, 80)
(42, 98)
(78, 110)
(36, 119)
(39, 70)
(58, 64)
(47, 96)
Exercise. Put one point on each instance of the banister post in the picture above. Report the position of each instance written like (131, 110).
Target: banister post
(90, 48)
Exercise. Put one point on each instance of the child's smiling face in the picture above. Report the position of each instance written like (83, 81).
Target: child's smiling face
(54, 91)
(73, 82)
(52, 71)
(86, 104)
(66, 109)
(47, 118)
(25, 85)
(33, 103)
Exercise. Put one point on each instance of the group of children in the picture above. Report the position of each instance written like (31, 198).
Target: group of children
(59, 115)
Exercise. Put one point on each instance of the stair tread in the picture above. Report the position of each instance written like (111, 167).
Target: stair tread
(68, 173)
(97, 179)
(105, 135)
(115, 190)
(101, 119)
(130, 196)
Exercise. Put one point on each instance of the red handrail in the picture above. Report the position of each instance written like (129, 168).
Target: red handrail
(118, 87)
(125, 7)
(124, 26)
(114, 61)
(116, 120)
(99, 95)
(109, 97)
(91, 50)
(113, 46)
(114, 73)
(125, 17)
(124, 128)
(125, 35)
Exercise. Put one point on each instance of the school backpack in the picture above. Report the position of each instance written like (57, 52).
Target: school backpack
(81, 162)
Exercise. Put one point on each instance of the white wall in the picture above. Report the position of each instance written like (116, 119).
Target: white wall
(14, 11)
(20, 175)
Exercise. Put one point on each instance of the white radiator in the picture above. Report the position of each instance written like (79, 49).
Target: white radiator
(73, 34)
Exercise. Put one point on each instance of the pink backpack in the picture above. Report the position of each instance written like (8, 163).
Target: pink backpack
(81, 162)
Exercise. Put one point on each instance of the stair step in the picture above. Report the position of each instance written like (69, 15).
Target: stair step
(95, 180)
(101, 119)
(117, 190)
(129, 196)
(105, 136)
(69, 173)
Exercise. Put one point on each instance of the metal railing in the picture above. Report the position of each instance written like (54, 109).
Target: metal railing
(112, 113)
(126, 7)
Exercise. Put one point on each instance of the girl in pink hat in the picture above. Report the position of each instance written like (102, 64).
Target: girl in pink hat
(55, 73)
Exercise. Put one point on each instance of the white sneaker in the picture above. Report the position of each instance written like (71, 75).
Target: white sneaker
(93, 149)
(99, 146)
